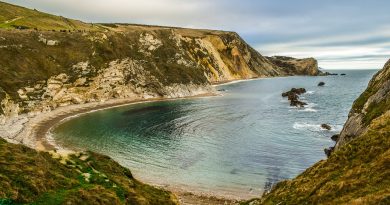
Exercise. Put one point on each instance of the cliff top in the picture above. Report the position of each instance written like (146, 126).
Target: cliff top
(21, 18)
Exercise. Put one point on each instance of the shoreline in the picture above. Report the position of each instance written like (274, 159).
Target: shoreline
(40, 130)
(36, 134)
(41, 127)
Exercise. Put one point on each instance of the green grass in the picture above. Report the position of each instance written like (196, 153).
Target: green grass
(12, 17)
(28, 176)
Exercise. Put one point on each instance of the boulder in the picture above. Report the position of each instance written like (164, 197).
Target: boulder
(293, 96)
(297, 91)
(328, 151)
(335, 137)
(326, 126)
(321, 83)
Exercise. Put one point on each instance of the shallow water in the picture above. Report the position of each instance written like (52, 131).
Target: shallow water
(230, 146)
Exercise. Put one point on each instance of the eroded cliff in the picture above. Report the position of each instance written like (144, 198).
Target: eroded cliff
(294, 66)
(372, 103)
(49, 61)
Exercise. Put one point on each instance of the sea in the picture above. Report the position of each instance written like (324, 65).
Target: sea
(235, 145)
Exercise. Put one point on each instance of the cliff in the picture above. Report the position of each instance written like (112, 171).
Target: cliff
(305, 66)
(372, 103)
(358, 170)
(49, 61)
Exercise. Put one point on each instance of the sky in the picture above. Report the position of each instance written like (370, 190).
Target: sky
(342, 34)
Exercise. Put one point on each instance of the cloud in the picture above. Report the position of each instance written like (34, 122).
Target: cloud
(341, 34)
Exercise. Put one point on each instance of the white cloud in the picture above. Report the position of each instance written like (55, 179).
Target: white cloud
(339, 36)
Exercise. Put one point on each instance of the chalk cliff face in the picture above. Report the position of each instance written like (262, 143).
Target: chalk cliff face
(358, 169)
(48, 61)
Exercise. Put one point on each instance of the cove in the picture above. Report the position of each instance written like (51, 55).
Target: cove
(234, 145)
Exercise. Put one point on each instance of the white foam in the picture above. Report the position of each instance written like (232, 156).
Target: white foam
(314, 127)
(310, 92)
(307, 126)
(309, 108)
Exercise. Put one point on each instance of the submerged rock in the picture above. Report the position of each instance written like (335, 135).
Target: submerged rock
(326, 126)
(321, 83)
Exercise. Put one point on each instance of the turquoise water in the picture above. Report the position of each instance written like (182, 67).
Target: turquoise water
(230, 145)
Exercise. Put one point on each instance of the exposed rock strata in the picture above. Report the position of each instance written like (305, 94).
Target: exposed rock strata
(373, 102)
(65, 62)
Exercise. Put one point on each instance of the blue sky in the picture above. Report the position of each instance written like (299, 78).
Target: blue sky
(346, 34)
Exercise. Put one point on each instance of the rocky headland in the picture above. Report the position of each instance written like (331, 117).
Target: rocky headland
(50, 62)
(52, 67)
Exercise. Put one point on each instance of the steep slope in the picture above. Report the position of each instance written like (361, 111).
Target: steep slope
(372, 103)
(28, 176)
(358, 171)
(48, 61)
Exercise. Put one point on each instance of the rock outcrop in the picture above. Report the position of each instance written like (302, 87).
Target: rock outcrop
(54, 62)
(372, 103)
(293, 96)
(306, 66)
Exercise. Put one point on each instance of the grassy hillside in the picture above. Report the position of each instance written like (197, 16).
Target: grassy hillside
(12, 17)
(28, 176)
(358, 171)
(48, 61)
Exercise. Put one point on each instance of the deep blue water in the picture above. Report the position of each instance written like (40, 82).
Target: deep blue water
(230, 145)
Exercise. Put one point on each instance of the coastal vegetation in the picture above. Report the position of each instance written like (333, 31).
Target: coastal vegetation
(75, 62)
(49, 61)
(29, 176)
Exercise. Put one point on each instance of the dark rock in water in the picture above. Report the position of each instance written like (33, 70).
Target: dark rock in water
(297, 91)
(335, 137)
(297, 103)
(326, 126)
(293, 96)
(343, 74)
(321, 84)
(328, 151)
(327, 73)
(221, 90)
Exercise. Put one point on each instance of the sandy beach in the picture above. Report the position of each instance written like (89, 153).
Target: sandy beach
(35, 134)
